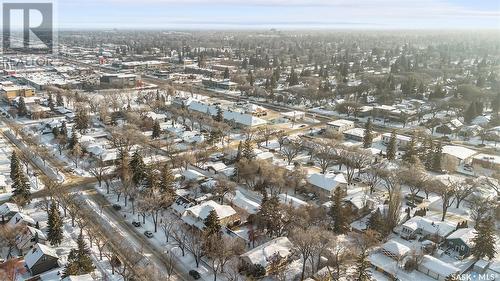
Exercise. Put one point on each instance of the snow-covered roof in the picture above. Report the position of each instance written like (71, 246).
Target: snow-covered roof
(326, 181)
(438, 266)
(442, 228)
(464, 234)
(264, 155)
(20, 217)
(340, 123)
(261, 254)
(244, 203)
(7, 207)
(358, 132)
(37, 252)
(192, 175)
(396, 248)
(494, 159)
(217, 166)
(458, 151)
(202, 210)
(290, 200)
(85, 277)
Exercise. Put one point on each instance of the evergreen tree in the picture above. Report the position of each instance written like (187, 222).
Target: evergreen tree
(368, 137)
(219, 116)
(79, 260)
(239, 151)
(338, 212)
(15, 167)
(59, 100)
(250, 78)
(50, 102)
(485, 240)
(244, 64)
(293, 79)
(21, 107)
(73, 141)
(21, 189)
(81, 120)
(376, 221)
(411, 151)
(167, 180)
(362, 266)
(470, 113)
(212, 224)
(226, 73)
(392, 147)
(55, 224)
(248, 150)
(156, 130)
(138, 168)
(436, 158)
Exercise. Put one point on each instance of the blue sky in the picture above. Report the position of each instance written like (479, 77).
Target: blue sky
(282, 14)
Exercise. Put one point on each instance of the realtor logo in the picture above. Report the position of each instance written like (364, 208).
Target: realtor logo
(28, 28)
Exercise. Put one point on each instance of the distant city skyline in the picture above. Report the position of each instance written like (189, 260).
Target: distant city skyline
(281, 14)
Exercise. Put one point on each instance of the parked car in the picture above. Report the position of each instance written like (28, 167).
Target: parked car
(148, 234)
(194, 274)
(117, 207)
(136, 223)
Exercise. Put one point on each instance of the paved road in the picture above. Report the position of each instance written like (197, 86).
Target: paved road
(153, 253)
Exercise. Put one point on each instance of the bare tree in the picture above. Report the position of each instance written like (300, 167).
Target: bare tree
(98, 169)
(181, 239)
(167, 225)
(220, 250)
(463, 189)
(446, 191)
(8, 237)
(195, 245)
(291, 150)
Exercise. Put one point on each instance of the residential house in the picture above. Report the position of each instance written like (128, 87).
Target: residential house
(355, 134)
(460, 241)
(486, 161)
(420, 226)
(401, 141)
(21, 219)
(325, 184)
(196, 215)
(7, 211)
(340, 125)
(461, 154)
(278, 248)
(28, 238)
(41, 259)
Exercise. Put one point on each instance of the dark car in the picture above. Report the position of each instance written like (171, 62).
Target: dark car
(148, 234)
(194, 274)
(117, 207)
(136, 223)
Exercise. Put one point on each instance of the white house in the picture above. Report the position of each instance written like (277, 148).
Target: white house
(20, 218)
(340, 125)
(462, 154)
(325, 184)
(26, 239)
(196, 215)
(423, 226)
(7, 211)
(280, 248)
(401, 141)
